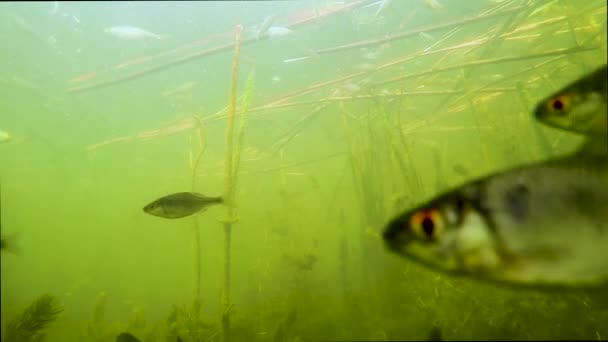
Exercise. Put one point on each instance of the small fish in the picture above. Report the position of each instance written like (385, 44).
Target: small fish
(5, 137)
(311, 54)
(543, 224)
(434, 334)
(7, 242)
(131, 33)
(180, 204)
(266, 24)
(277, 31)
(126, 337)
(184, 88)
(364, 66)
(302, 263)
(578, 107)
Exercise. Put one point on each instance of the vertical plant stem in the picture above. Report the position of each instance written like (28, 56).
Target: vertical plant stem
(228, 188)
(195, 226)
(243, 119)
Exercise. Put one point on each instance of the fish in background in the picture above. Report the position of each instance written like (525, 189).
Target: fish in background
(7, 242)
(5, 137)
(434, 334)
(304, 262)
(131, 33)
(544, 224)
(266, 24)
(579, 106)
(180, 204)
(277, 32)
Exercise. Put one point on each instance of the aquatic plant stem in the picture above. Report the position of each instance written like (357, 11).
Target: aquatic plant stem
(243, 119)
(195, 226)
(187, 58)
(228, 187)
(411, 33)
(550, 53)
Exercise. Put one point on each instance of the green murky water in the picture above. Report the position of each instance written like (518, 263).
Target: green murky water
(353, 115)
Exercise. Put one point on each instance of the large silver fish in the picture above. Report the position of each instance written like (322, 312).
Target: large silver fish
(578, 107)
(131, 33)
(544, 224)
(180, 204)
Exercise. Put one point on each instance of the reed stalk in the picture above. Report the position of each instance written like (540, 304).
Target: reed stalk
(191, 57)
(488, 61)
(229, 188)
(195, 225)
(411, 33)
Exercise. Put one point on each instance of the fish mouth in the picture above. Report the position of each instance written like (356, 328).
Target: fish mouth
(149, 209)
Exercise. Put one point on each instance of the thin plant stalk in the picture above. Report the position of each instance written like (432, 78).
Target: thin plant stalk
(190, 57)
(243, 120)
(195, 225)
(229, 189)
(550, 53)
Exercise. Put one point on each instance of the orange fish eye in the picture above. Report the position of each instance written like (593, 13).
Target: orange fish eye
(559, 103)
(426, 223)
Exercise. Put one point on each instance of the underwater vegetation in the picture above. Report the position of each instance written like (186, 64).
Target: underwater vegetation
(315, 124)
(187, 323)
(30, 325)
